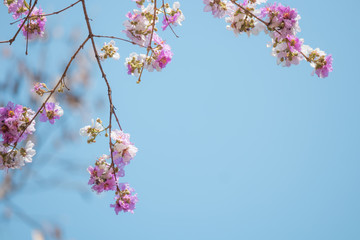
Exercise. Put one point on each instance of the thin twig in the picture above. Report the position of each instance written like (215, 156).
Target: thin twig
(27, 33)
(53, 90)
(111, 112)
(168, 19)
(49, 14)
(122, 39)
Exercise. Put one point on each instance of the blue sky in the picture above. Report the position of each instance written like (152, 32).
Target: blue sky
(231, 146)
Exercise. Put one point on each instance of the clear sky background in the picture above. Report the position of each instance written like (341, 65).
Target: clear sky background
(231, 146)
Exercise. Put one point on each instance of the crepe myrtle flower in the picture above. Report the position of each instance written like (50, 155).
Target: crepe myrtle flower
(285, 56)
(93, 130)
(219, 8)
(15, 158)
(294, 43)
(135, 62)
(14, 122)
(138, 26)
(318, 59)
(16, 7)
(124, 151)
(109, 51)
(39, 88)
(125, 199)
(284, 20)
(102, 176)
(51, 111)
(36, 26)
(173, 16)
(242, 22)
(162, 55)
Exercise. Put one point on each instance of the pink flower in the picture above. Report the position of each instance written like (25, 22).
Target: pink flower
(13, 121)
(294, 43)
(51, 111)
(323, 71)
(36, 26)
(125, 199)
(102, 176)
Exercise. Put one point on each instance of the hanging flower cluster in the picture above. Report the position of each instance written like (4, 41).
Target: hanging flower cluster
(34, 27)
(140, 28)
(14, 128)
(281, 23)
(16, 124)
(104, 175)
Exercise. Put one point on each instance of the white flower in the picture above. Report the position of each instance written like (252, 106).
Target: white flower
(85, 131)
(29, 152)
(109, 51)
(92, 131)
(129, 153)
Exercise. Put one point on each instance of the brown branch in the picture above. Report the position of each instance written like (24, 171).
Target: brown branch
(50, 14)
(53, 90)
(122, 39)
(111, 112)
(163, 6)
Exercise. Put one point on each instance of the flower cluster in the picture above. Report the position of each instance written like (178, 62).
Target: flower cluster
(140, 27)
(14, 120)
(15, 126)
(161, 56)
(34, 27)
(50, 112)
(102, 176)
(109, 51)
(125, 199)
(281, 23)
(40, 88)
(173, 16)
(108, 169)
(93, 130)
(123, 151)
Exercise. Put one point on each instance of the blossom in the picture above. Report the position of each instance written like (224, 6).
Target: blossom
(28, 152)
(12, 158)
(124, 150)
(36, 26)
(38, 88)
(173, 16)
(294, 44)
(282, 20)
(135, 62)
(109, 51)
(162, 55)
(92, 131)
(102, 176)
(285, 55)
(125, 199)
(321, 63)
(138, 26)
(242, 21)
(219, 8)
(51, 111)
(17, 7)
(14, 121)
